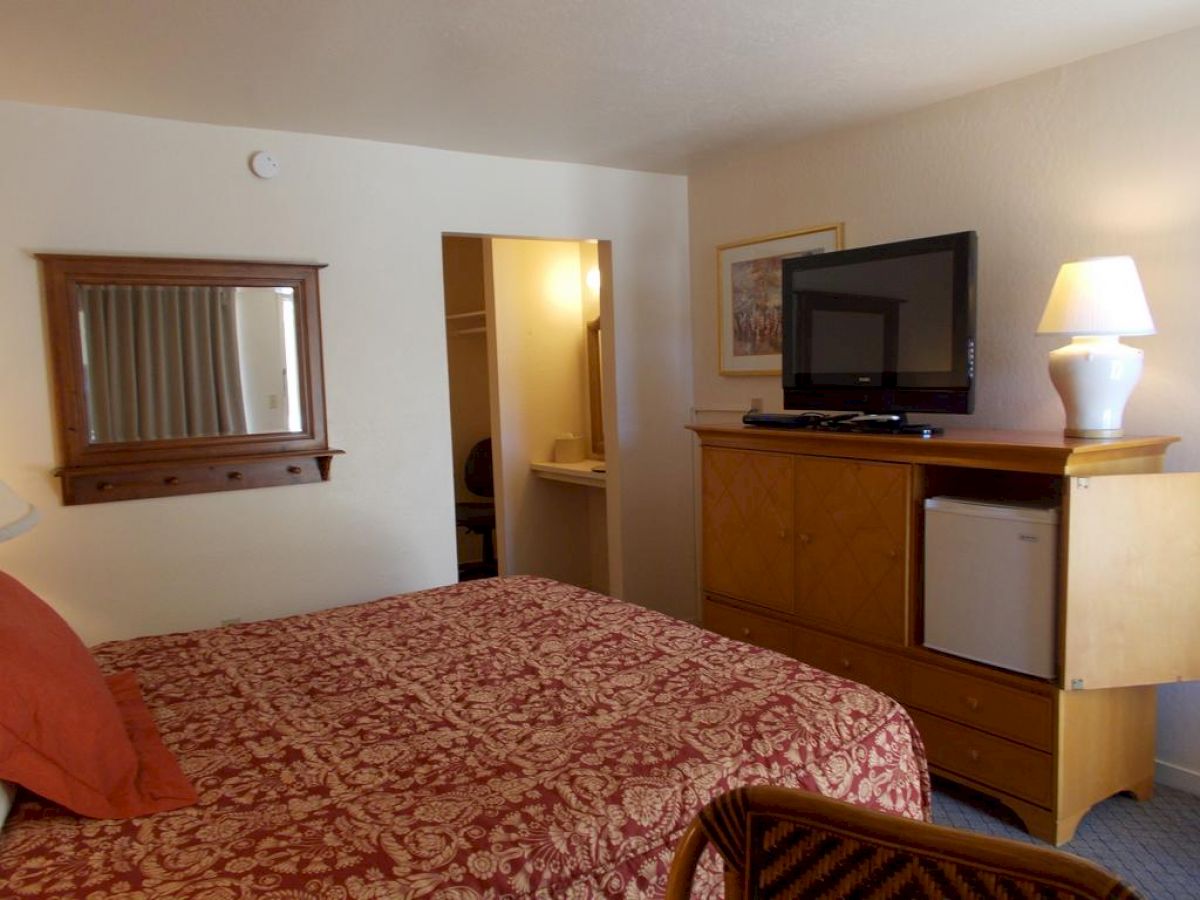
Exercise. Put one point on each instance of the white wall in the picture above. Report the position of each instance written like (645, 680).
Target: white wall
(261, 358)
(1098, 157)
(97, 182)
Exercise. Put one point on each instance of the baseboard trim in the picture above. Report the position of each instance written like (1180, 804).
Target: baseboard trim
(1177, 777)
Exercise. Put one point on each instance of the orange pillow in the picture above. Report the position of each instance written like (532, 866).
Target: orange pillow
(67, 733)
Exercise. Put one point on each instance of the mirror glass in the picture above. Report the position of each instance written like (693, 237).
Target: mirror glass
(170, 361)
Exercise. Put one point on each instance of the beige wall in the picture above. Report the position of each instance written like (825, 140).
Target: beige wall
(1099, 157)
(537, 301)
(97, 182)
(597, 501)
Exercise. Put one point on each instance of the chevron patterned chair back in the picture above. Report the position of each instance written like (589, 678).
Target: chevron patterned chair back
(781, 843)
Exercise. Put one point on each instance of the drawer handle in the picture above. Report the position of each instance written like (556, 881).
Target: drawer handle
(294, 470)
(972, 703)
(846, 663)
(106, 486)
(236, 476)
(171, 479)
(974, 754)
(745, 632)
(805, 538)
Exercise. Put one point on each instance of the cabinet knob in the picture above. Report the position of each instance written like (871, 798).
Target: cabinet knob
(294, 470)
(783, 534)
(745, 632)
(804, 538)
(236, 476)
(974, 754)
(891, 554)
(972, 703)
(846, 663)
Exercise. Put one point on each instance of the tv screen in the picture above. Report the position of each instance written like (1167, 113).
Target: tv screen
(884, 329)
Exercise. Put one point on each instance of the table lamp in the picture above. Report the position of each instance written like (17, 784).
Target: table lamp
(16, 516)
(1094, 302)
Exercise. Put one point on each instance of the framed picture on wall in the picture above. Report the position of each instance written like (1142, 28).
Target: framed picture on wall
(749, 276)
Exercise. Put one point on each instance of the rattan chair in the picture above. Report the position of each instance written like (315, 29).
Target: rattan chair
(777, 843)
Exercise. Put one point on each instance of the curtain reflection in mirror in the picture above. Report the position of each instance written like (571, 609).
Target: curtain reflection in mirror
(162, 362)
(177, 361)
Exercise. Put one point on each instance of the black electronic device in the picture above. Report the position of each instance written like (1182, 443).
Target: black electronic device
(885, 330)
(849, 422)
(783, 420)
(886, 425)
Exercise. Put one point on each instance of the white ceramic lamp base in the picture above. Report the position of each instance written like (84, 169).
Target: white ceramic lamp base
(1094, 376)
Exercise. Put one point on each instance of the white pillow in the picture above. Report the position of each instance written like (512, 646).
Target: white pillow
(7, 793)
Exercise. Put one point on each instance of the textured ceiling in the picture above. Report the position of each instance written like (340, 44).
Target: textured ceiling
(642, 84)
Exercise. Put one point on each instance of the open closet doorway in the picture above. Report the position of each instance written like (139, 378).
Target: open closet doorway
(531, 401)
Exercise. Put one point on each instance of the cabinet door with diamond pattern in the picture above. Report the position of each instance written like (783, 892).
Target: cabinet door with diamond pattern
(747, 530)
(852, 549)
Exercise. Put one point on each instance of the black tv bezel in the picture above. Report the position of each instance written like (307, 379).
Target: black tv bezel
(957, 396)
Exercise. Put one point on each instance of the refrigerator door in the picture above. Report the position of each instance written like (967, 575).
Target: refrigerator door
(990, 584)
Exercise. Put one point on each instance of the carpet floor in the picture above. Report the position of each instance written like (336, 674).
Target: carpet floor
(1155, 845)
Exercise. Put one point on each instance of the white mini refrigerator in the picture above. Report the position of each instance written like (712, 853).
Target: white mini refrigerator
(990, 583)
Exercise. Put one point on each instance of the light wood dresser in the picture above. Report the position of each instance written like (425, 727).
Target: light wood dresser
(812, 546)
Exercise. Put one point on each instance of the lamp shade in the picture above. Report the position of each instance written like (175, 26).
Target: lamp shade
(1101, 296)
(16, 516)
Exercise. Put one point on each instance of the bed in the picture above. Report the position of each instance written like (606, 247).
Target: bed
(506, 737)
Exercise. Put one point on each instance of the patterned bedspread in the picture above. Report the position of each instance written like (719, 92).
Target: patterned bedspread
(509, 737)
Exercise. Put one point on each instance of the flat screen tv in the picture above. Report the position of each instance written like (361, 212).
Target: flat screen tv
(888, 329)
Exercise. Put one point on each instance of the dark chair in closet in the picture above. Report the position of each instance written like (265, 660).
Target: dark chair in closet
(478, 516)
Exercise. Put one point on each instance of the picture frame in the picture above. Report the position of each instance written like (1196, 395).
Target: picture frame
(749, 291)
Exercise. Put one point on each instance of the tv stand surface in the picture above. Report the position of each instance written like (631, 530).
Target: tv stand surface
(811, 545)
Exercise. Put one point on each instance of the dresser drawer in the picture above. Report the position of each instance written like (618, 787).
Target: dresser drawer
(1004, 765)
(874, 668)
(746, 627)
(983, 704)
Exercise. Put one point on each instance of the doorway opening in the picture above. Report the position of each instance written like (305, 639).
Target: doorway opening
(530, 387)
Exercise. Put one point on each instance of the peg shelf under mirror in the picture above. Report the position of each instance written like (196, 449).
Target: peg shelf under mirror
(180, 376)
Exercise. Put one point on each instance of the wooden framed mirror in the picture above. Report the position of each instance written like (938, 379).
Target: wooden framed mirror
(595, 382)
(180, 376)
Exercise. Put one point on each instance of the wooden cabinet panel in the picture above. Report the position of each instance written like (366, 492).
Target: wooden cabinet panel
(882, 671)
(825, 528)
(1009, 767)
(1130, 589)
(1022, 716)
(744, 626)
(852, 545)
(747, 526)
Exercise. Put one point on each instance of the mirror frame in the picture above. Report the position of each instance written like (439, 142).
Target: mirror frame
(135, 469)
(595, 370)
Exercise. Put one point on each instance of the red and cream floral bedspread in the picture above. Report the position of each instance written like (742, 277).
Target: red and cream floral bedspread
(510, 737)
